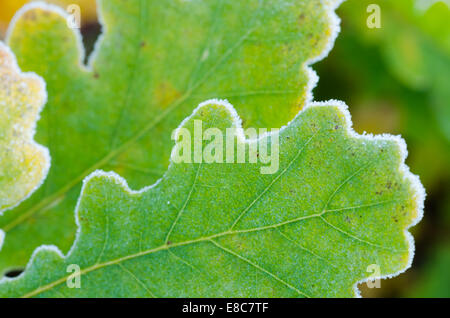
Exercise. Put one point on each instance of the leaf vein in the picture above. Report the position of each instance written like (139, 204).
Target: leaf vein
(180, 212)
(260, 268)
(267, 188)
(141, 283)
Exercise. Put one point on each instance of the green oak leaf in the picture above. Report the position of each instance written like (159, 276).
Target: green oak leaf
(153, 62)
(338, 203)
(23, 163)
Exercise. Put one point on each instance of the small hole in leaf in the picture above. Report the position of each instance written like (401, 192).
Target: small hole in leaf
(91, 33)
(14, 273)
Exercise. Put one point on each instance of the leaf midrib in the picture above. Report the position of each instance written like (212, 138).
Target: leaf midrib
(167, 246)
(210, 238)
(163, 247)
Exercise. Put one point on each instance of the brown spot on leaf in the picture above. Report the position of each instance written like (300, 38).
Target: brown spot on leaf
(30, 15)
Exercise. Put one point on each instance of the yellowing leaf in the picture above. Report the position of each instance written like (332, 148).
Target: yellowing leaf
(23, 163)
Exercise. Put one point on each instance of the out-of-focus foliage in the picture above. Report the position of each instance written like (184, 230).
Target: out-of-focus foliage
(415, 44)
(9, 7)
(435, 281)
(396, 80)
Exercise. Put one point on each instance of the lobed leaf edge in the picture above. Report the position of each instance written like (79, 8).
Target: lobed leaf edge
(404, 170)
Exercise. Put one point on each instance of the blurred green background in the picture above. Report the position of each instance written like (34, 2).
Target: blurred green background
(395, 80)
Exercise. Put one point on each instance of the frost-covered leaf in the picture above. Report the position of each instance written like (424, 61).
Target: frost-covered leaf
(420, 56)
(155, 60)
(23, 163)
(338, 204)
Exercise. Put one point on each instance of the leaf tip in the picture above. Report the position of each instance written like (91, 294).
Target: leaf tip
(32, 12)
